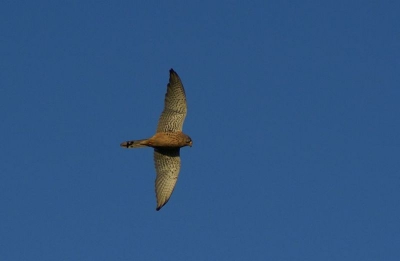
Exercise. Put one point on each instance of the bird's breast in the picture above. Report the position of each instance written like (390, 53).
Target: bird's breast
(167, 139)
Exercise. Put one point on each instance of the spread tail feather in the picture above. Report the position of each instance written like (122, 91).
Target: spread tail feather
(134, 144)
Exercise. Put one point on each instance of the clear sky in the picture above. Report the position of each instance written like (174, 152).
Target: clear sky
(293, 108)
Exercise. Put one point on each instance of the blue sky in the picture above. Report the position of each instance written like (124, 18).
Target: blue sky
(293, 107)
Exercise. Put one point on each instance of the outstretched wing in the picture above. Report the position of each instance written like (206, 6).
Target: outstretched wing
(168, 164)
(175, 107)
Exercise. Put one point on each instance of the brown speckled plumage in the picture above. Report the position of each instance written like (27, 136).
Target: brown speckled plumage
(168, 140)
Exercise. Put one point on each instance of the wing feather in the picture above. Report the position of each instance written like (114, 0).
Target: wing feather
(168, 164)
(175, 107)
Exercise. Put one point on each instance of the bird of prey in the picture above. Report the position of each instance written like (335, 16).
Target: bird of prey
(168, 140)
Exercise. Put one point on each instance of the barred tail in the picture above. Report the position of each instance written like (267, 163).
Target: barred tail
(134, 144)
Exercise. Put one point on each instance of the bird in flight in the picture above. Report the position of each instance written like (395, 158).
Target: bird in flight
(168, 140)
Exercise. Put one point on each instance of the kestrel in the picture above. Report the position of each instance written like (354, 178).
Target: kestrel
(168, 140)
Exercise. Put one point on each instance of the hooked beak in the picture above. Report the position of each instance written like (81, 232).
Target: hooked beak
(190, 144)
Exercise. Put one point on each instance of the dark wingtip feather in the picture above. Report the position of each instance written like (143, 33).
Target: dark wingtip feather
(173, 76)
(173, 73)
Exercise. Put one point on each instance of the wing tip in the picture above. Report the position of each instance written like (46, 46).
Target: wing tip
(174, 78)
(160, 206)
(173, 73)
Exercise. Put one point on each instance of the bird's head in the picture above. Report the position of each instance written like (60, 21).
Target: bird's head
(188, 141)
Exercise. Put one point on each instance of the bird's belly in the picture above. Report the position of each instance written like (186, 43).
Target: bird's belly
(166, 139)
